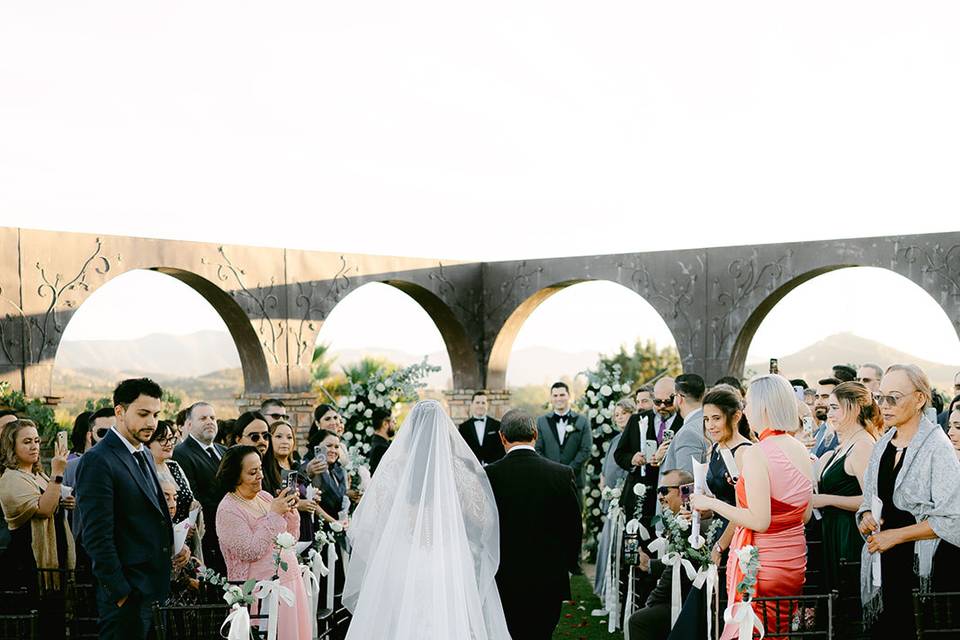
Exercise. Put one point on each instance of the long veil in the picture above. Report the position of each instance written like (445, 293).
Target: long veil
(425, 540)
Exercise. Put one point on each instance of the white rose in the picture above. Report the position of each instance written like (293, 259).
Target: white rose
(286, 540)
(744, 553)
(347, 435)
(683, 523)
(606, 390)
(599, 418)
(595, 493)
(639, 489)
(342, 402)
(368, 413)
(615, 493)
(336, 527)
(607, 428)
(594, 450)
(625, 388)
(595, 512)
(592, 413)
(369, 431)
(570, 428)
(589, 501)
(606, 445)
(633, 526)
(233, 594)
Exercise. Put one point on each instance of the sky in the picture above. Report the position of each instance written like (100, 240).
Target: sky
(497, 130)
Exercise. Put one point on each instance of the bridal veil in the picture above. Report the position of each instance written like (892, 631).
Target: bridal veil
(425, 540)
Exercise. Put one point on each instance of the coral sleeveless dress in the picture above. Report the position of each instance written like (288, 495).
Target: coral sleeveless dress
(782, 547)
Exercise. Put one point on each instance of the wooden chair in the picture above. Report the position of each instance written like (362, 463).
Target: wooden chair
(19, 626)
(937, 615)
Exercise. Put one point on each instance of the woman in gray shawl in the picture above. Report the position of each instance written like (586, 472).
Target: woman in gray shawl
(916, 475)
(612, 477)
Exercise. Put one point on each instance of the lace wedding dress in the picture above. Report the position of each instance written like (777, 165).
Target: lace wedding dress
(426, 541)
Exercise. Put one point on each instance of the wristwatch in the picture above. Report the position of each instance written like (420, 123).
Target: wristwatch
(58, 479)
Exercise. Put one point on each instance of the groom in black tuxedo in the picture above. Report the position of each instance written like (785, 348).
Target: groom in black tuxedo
(481, 432)
(540, 530)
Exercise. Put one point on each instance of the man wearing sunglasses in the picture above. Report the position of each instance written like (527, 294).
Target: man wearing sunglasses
(274, 410)
(689, 442)
(653, 620)
(101, 422)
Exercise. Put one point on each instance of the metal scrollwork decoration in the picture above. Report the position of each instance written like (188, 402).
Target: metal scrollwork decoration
(944, 262)
(316, 307)
(748, 277)
(262, 299)
(468, 303)
(675, 297)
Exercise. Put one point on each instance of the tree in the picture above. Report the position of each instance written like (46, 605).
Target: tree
(645, 362)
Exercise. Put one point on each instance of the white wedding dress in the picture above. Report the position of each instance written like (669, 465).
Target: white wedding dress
(426, 541)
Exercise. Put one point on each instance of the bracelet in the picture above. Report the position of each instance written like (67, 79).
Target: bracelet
(718, 548)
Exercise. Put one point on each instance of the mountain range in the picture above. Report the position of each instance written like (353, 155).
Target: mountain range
(205, 364)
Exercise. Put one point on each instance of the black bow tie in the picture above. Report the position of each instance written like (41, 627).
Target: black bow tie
(557, 416)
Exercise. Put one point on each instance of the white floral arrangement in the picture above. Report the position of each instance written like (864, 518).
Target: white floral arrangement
(605, 387)
(749, 559)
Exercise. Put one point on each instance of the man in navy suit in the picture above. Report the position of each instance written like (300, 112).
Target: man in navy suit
(126, 527)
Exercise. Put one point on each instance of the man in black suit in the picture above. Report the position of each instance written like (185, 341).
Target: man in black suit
(481, 432)
(380, 440)
(638, 441)
(653, 621)
(540, 530)
(126, 528)
(199, 457)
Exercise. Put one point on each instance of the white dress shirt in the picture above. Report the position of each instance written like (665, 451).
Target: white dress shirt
(480, 424)
(132, 449)
(206, 447)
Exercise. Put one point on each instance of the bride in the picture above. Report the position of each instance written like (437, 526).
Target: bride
(426, 541)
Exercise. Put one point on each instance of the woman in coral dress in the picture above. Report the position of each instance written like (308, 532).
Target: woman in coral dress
(773, 502)
(248, 523)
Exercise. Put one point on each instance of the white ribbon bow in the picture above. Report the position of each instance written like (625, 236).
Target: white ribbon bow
(272, 592)
(312, 586)
(316, 564)
(658, 546)
(239, 621)
(675, 560)
(331, 576)
(746, 619)
(709, 575)
(611, 595)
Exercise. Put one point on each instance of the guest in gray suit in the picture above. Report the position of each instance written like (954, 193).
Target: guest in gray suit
(564, 436)
(688, 443)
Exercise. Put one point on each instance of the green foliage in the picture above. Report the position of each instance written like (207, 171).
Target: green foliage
(171, 404)
(41, 414)
(377, 384)
(100, 403)
(645, 362)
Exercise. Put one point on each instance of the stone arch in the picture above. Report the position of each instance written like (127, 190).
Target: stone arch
(747, 332)
(507, 333)
(464, 366)
(256, 376)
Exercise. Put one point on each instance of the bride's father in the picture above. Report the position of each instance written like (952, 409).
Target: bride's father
(540, 530)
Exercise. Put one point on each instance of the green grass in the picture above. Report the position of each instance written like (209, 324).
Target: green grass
(576, 623)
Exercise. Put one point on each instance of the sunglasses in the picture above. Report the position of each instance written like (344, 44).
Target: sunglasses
(255, 437)
(278, 416)
(102, 432)
(891, 399)
(667, 402)
(665, 489)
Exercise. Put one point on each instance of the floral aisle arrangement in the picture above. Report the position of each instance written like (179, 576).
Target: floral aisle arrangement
(625, 543)
(677, 552)
(740, 611)
(605, 387)
(380, 389)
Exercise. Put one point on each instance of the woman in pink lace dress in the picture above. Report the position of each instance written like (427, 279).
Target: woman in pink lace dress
(248, 522)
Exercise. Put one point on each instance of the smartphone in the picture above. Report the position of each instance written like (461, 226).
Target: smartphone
(292, 482)
(808, 425)
(631, 550)
(686, 490)
(62, 439)
(320, 452)
(774, 365)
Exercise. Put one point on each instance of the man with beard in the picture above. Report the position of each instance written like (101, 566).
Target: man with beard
(383, 430)
(126, 524)
(825, 439)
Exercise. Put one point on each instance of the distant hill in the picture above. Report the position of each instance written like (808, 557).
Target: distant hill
(194, 354)
(815, 361)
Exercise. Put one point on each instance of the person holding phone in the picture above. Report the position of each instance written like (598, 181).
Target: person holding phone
(248, 521)
(40, 535)
(280, 471)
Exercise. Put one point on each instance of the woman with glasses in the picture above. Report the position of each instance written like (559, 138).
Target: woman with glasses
(852, 410)
(161, 446)
(773, 501)
(915, 473)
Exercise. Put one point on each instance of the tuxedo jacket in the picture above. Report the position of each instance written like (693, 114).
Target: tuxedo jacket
(201, 473)
(540, 526)
(631, 442)
(491, 449)
(126, 527)
(577, 443)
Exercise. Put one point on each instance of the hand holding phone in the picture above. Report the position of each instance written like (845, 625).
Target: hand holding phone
(62, 439)
(686, 490)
